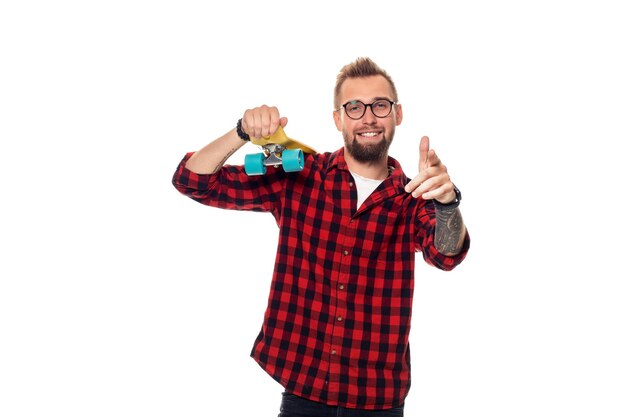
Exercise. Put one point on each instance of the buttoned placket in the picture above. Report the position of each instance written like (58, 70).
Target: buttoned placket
(347, 241)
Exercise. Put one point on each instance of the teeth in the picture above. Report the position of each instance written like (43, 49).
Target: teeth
(369, 134)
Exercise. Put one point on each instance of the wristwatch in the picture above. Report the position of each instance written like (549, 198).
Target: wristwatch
(451, 205)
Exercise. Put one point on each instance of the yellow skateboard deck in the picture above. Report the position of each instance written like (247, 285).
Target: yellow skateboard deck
(280, 138)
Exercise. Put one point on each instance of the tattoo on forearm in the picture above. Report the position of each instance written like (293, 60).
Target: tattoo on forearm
(449, 234)
(223, 161)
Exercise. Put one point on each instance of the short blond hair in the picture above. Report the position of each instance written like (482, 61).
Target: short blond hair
(362, 67)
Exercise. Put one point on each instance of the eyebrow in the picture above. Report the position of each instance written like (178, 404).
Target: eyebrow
(373, 100)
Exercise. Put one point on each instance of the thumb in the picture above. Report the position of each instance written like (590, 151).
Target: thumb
(424, 149)
(283, 121)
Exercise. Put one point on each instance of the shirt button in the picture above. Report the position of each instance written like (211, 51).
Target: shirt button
(345, 252)
(341, 286)
(333, 352)
(351, 184)
(339, 318)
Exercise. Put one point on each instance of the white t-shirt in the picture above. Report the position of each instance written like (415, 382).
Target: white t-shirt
(364, 187)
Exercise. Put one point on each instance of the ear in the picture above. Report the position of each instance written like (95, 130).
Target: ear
(398, 114)
(337, 117)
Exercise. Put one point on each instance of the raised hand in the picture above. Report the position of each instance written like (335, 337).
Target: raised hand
(262, 121)
(432, 181)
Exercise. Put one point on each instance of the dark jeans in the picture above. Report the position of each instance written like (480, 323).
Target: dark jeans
(294, 406)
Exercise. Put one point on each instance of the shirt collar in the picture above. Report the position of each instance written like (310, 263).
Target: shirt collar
(398, 179)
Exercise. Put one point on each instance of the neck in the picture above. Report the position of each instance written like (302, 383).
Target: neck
(375, 170)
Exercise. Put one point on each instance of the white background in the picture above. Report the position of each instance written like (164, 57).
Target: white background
(121, 297)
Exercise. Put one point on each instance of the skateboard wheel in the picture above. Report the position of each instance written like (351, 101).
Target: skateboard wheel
(293, 160)
(253, 164)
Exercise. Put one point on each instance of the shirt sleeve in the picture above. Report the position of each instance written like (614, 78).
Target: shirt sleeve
(231, 188)
(425, 239)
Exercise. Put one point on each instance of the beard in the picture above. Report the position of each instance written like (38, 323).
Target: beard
(368, 152)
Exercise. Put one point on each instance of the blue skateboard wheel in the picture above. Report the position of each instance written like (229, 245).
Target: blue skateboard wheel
(293, 160)
(253, 164)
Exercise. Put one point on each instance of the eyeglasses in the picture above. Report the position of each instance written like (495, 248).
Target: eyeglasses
(355, 109)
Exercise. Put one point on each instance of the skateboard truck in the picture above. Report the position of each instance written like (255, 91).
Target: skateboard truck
(278, 149)
(274, 155)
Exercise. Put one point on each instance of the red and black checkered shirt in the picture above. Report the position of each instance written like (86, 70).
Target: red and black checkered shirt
(336, 328)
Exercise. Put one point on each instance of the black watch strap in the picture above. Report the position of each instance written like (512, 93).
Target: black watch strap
(451, 205)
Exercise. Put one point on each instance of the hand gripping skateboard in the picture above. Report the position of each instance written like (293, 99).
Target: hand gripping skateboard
(278, 149)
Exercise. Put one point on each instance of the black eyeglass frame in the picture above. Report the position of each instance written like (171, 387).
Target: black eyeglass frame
(370, 105)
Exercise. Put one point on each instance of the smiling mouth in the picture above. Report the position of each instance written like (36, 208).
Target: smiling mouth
(369, 135)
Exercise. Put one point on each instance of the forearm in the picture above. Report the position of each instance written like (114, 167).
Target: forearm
(212, 157)
(449, 231)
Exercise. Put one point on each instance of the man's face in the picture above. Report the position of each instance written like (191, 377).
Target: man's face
(367, 139)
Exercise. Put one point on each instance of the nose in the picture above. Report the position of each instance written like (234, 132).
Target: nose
(368, 117)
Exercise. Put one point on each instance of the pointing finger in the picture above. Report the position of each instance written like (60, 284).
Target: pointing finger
(433, 159)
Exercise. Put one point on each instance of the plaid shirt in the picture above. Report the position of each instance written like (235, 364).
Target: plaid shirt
(336, 329)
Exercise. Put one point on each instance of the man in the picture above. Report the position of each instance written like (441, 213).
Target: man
(336, 330)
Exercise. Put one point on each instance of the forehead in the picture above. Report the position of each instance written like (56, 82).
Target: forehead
(365, 89)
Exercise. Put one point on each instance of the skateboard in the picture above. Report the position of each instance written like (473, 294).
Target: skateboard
(278, 149)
